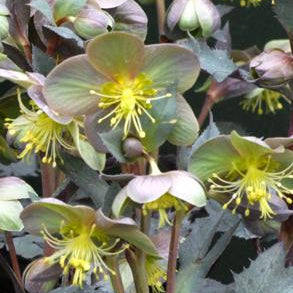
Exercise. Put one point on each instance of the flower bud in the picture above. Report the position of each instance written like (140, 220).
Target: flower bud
(4, 27)
(272, 68)
(198, 16)
(92, 22)
(132, 148)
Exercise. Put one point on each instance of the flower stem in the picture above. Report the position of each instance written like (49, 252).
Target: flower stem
(161, 14)
(207, 106)
(116, 280)
(138, 272)
(173, 252)
(13, 256)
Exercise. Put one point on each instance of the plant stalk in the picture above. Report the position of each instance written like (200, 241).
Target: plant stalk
(13, 255)
(161, 14)
(173, 252)
(116, 279)
(207, 106)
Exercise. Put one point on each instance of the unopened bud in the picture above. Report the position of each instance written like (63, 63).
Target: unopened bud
(272, 68)
(132, 148)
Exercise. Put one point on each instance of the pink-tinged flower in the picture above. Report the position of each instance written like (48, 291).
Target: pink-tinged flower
(121, 78)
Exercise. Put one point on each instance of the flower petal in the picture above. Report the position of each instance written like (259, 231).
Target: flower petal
(115, 54)
(168, 64)
(174, 13)
(127, 230)
(51, 212)
(110, 3)
(9, 215)
(119, 202)
(67, 87)
(144, 189)
(214, 156)
(187, 188)
(12, 188)
(249, 147)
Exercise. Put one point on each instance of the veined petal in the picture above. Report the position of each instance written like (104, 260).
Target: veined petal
(249, 147)
(144, 189)
(187, 188)
(67, 88)
(51, 212)
(127, 230)
(116, 54)
(214, 156)
(12, 188)
(167, 64)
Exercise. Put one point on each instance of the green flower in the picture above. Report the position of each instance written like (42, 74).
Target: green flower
(262, 100)
(82, 237)
(247, 171)
(121, 78)
(13, 189)
(159, 192)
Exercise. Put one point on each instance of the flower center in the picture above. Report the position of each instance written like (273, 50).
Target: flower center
(39, 132)
(81, 252)
(156, 275)
(257, 182)
(161, 205)
(128, 100)
(262, 100)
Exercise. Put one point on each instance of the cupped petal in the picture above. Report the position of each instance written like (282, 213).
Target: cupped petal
(116, 54)
(144, 189)
(9, 215)
(127, 230)
(208, 16)
(276, 142)
(52, 212)
(187, 188)
(168, 64)
(249, 147)
(67, 87)
(105, 4)
(174, 13)
(35, 92)
(214, 156)
(12, 188)
(119, 202)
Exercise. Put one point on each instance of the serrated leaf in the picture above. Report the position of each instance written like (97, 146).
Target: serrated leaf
(210, 132)
(44, 7)
(85, 178)
(42, 63)
(66, 33)
(28, 246)
(215, 62)
(266, 274)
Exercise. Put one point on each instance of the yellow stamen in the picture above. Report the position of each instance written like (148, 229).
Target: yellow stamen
(128, 100)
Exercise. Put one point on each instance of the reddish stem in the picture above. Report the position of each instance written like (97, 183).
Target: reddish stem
(207, 106)
(13, 256)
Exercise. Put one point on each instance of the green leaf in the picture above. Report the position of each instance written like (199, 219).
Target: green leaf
(215, 62)
(65, 8)
(42, 63)
(164, 113)
(66, 33)
(7, 155)
(9, 215)
(28, 246)
(186, 128)
(44, 7)
(85, 178)
(266, 274)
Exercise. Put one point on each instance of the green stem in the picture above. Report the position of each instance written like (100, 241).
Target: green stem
(173, 252)
(116, 279)
(138, 272)
(13, 255)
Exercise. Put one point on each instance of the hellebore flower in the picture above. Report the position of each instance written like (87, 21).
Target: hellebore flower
(248, 171)
(156, 274)
(159, 192)
(13, 189)
(4, 25)
(272, 68)
(261, 99)
(198, 16)
(121, 78)
(82, 237)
